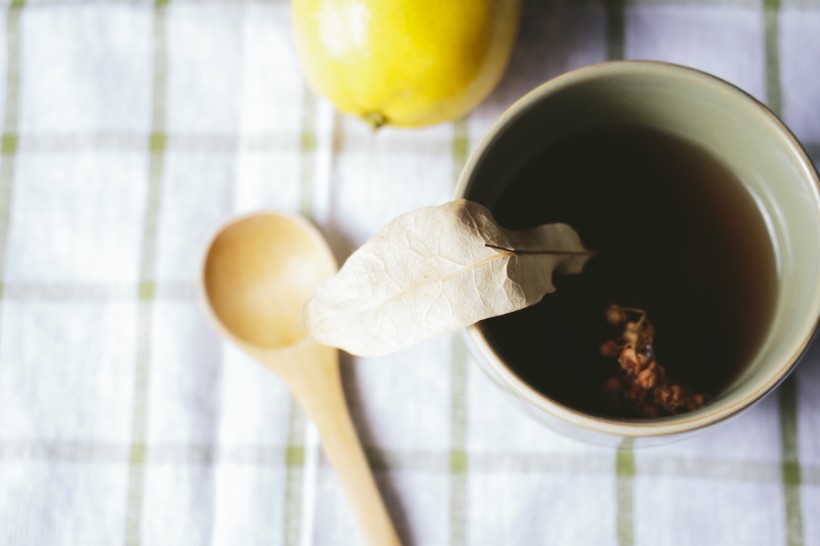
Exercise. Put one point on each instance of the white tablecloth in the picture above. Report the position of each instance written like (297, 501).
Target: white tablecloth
(130, 131)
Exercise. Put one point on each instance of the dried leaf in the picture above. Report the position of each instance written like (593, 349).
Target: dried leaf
(429, 272)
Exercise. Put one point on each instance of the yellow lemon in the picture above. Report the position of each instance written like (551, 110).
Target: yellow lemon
(405, 62)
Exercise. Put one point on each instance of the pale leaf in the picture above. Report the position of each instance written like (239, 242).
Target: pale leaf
(428, 272)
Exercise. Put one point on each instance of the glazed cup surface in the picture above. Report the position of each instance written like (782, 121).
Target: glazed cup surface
(734, 128)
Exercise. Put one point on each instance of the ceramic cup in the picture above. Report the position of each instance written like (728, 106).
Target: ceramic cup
(736, 129)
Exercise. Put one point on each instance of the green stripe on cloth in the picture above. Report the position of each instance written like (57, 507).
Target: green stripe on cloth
(147, 290)
(138, 448)
(10, 127)
(459, 461)
(9, 145)
(10, 124)
(791, 471)
(294, 474)
(460, 145)
(219, 142)
(615, 29)
(771, 14)
(297, 422)
(156, 148)
(624, 474)
(416, 460)
(63, 292)
(787, 396)
(307, 148)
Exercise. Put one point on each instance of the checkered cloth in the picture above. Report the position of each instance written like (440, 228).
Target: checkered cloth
(131, 131)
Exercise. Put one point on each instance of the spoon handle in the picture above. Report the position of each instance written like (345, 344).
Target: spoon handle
(317, 385)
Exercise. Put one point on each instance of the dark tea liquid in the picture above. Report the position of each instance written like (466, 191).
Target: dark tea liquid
(677, 235)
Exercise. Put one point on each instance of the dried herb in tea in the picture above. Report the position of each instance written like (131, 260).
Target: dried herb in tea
(642, 385)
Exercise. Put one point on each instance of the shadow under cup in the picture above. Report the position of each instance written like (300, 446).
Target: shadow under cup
(736, 130)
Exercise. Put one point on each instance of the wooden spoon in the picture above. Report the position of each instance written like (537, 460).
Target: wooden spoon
(258, 272)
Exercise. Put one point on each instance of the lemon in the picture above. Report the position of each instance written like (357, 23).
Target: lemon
(406, 63)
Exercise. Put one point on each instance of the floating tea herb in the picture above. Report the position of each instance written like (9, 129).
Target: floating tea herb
(642, 386)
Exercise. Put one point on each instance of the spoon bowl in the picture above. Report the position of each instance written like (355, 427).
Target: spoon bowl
(258, 272)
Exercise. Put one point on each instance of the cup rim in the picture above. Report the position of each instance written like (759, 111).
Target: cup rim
(633, 428)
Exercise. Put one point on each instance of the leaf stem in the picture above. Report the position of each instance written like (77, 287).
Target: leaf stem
(518, 252)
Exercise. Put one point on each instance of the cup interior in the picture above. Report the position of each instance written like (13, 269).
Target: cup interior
(735, 129)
